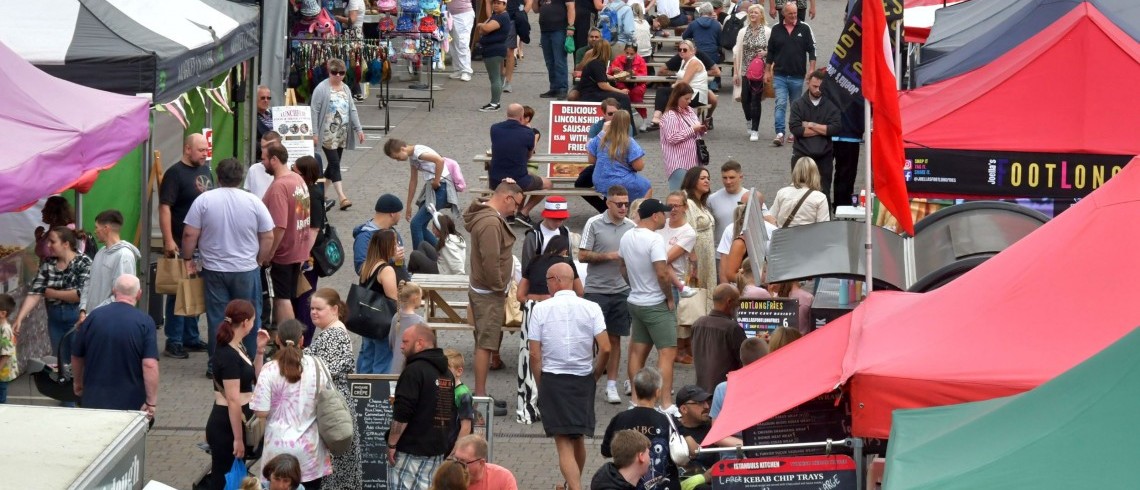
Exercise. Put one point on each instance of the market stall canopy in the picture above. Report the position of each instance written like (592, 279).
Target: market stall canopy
(133, 46)
(918, 17)
(1076, 59)
(1072, 432)
(57, 133)
(1042, 306)
(972, 34)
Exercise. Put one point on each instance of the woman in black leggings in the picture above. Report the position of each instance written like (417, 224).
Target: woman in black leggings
(235, 372)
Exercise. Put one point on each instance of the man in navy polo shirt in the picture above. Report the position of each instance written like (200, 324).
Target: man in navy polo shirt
(512, 145)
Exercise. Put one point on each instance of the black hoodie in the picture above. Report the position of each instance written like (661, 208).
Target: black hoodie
(425, 401)
(608, 478)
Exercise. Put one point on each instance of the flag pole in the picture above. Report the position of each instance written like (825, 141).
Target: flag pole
(867, 125)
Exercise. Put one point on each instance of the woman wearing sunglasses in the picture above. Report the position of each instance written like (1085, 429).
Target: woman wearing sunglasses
(335, 123)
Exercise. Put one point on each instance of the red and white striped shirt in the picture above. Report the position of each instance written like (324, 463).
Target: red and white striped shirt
(678, 140)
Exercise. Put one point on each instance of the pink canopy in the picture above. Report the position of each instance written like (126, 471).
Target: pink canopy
(55, 134)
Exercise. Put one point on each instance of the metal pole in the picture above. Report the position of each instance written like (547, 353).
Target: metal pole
(772, 447)
(870, 192)
(898, 55)
(860, 480)
(144, 221)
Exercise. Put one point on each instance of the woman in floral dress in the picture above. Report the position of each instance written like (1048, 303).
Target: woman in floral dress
(332, 345)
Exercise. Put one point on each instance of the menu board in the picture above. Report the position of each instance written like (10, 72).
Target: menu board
(835, 472)
(816, 420)
(570, 126)
(372, 406)
(762, 316)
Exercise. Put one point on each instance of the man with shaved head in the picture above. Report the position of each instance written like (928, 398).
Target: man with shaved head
(114, 354)
(512, 145)
(423, 413)
(564, 330)
(182, 183)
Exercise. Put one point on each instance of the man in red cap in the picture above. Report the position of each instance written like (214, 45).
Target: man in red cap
(555, 212)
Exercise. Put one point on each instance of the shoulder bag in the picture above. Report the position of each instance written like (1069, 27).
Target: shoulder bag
(796, 209)
(334, 421)
(703, 157)
(328, 251)
(369, 311)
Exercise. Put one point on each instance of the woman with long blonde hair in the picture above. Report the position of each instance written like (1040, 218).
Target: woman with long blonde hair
(751, 44)
(617, 158)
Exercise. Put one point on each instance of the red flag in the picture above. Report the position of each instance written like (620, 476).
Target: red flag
(879, 88)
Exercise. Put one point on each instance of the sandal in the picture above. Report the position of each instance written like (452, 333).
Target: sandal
(496, 362)
(345, 204)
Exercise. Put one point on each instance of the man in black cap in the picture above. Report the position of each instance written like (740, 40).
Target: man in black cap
(694, 424)
(387, 216)
(651, 308)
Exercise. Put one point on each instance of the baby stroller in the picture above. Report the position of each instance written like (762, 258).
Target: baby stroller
(52, 375)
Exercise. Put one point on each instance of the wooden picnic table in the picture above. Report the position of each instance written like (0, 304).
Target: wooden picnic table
(435, 284)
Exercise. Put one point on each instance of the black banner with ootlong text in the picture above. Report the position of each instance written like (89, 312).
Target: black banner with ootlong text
(844, 86)
(1008, 174)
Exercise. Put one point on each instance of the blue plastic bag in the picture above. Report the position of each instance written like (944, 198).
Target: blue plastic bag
(237, 473)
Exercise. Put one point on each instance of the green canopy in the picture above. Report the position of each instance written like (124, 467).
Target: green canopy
(1077, 431)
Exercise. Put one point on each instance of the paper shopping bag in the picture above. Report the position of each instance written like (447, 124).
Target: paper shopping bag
(170, 272)
(191, 297)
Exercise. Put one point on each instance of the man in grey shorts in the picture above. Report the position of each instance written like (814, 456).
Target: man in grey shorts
(651, 307)
(604, 282)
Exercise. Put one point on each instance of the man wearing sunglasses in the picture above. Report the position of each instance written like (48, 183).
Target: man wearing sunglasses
(604, 283)
(264, 117)
(471, 454)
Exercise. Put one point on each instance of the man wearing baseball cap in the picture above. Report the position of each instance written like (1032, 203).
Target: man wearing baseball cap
(555, 212)
(694, 424)
(654, 319)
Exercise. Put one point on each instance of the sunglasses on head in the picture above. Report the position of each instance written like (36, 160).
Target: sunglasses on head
(337, 73)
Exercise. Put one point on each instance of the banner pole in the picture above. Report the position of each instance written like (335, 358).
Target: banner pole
(898, 54)
(870, 191)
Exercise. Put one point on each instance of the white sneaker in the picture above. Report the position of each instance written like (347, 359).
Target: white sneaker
(628, 389)
(455, 75)
(465, 77)
(753, 136)
(507, 87)
(672, 411)
(612, 394)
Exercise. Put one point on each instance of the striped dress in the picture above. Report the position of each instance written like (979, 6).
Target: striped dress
(678, 140)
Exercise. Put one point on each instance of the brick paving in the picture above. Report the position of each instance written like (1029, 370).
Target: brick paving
(456, 129)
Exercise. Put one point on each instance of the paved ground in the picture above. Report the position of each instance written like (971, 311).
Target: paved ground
(456, 129)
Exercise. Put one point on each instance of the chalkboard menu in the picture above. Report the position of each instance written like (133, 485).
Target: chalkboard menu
(762, 316)
(372, 402)
(817, 420)
(835, 472)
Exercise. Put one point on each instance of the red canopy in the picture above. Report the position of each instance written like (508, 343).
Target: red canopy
(1040, 307)
(1077, 67)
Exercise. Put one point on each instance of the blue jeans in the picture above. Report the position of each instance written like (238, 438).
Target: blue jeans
(785, 86)
(3, 392)
(223, 287)
(554, 52)
(419, 225)
(180, 330)
(375, 356)
(61, 319)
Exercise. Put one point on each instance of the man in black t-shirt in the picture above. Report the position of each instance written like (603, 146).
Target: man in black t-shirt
(555, 21)
(182, 183)
(643, 417)
(694, 424)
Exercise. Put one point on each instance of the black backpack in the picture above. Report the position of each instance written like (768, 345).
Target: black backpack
(728, 32)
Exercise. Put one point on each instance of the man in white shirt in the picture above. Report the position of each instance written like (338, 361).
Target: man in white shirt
(258, 179)
(651, 305)
(562, 360)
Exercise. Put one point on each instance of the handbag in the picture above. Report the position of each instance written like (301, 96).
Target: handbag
(369, 311)
(334, 421)
(796, 208)
(769, 91)
(328, 251)
(702, 152)
(678, 448)
(689, 309)
(168, 273)
(513, 309)
(191, 297)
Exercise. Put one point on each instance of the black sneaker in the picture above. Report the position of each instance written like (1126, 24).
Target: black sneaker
(490, 108)
(560, 96)
(500, 411)
(549, 94)
(501, 403)
(196, 347)
(329, 203)
(175, 352)
(209, 373)
(520, 217)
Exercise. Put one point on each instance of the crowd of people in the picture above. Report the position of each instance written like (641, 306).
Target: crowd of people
(639, 268)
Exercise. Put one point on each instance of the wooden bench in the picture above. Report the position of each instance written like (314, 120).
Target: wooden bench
(565, 192)
(559, 182)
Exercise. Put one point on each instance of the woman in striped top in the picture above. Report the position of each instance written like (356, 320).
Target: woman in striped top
(680, 129)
